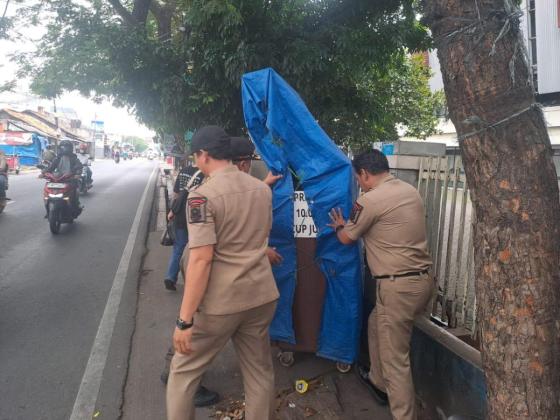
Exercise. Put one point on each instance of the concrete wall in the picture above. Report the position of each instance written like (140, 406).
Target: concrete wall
(548, 46)
(447, 375)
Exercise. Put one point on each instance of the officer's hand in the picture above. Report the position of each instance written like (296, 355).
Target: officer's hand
(182, 341)
(336, 218)
(271, 179)
(274, 257)
(170, 215)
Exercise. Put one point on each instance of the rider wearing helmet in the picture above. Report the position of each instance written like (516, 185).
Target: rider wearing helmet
(67, 163)
(84, 158)
(48, 155)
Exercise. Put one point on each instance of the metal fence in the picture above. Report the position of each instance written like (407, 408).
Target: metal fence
(449, 214)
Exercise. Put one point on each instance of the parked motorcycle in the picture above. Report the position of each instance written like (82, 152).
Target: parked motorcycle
(58, 193)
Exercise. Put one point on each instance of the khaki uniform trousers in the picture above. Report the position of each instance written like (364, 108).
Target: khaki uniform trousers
(249, 332)
(390, 324)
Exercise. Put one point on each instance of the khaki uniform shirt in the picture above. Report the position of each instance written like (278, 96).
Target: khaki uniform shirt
(390, 218)
(233, 211)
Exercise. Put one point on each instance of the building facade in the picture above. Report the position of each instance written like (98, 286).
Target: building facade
(540, 24)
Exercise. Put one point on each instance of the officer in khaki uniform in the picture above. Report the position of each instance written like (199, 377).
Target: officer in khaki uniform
(230, 292)
(389, 217)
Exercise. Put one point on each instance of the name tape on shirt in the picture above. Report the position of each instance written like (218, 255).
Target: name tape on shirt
(356, 211)
(197, 209)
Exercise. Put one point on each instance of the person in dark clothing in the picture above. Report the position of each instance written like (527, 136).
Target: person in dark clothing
(3, 175)
(67, 163)
(188, 179)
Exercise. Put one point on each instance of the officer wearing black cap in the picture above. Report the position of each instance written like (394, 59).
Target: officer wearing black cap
(230, 292)
(243, 153)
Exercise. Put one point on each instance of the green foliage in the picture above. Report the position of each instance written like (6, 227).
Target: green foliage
(349, 60)
(138, 142)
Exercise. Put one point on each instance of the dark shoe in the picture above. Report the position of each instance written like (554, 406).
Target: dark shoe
(380, 396)
(165, 373)
(204, 397)
(169, 284)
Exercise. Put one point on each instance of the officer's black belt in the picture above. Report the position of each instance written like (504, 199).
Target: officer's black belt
(409, 274)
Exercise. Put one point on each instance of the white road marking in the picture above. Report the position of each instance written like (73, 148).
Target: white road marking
(84, 405)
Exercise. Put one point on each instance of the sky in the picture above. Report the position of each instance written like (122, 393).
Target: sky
(117, 120)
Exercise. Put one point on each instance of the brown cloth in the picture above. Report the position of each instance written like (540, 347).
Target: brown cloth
(391, 220)
(233, 211)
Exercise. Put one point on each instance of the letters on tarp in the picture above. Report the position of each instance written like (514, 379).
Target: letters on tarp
(289, 139)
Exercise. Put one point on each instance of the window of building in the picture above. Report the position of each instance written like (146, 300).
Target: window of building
(532, 31)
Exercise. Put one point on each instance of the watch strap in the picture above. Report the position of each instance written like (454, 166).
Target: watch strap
(183, 325)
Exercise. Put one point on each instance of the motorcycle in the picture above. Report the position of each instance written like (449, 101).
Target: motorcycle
(84, 182)
(117, 157)
(4, 201)
(57, 194)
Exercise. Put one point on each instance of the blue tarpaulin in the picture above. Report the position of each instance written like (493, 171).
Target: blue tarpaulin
(29, 154)
(288, 137)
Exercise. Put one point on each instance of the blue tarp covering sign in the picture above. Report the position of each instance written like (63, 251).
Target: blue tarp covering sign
(288, 138)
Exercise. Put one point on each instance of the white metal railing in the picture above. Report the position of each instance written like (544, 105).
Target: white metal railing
(449, 215)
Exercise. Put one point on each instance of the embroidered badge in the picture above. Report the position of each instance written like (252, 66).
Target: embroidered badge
(356, 211)
(197, 209)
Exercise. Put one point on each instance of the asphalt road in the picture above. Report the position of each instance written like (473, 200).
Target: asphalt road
(54, 289)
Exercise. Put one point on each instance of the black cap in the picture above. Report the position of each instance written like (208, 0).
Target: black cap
(212, 139)
(242, 148)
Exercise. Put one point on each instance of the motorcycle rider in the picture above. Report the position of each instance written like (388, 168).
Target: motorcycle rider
(84, 159)
(3, 175)
(48, 155)
(67, 163)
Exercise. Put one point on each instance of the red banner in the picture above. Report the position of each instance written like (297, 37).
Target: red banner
(15, 138)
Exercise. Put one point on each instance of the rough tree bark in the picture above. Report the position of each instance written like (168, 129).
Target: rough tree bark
(508, 163)
(164, 12)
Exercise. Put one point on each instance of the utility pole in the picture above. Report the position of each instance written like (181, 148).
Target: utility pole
(56, 122)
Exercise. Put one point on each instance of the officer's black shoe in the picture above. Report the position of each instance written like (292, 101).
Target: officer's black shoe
(380, 396)
(204, 397)
(164, 376)
(169, 284)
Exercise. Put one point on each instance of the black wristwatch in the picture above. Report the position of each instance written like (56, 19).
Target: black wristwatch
(183, 325)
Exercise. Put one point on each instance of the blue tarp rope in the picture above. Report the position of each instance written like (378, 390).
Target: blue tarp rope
(287, 136)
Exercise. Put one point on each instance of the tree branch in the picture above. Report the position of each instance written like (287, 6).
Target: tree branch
(163, 14)
(122, 11)
(5, 9)
(140, 10)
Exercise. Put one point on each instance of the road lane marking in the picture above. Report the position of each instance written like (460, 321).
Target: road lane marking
(84, 405)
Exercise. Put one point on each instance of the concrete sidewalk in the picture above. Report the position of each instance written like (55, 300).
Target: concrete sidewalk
(331, 395)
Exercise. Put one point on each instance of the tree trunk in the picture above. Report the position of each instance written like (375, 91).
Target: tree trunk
(164, 17)
(508, 164)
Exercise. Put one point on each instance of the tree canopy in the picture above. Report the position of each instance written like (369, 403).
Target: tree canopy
(178, 63)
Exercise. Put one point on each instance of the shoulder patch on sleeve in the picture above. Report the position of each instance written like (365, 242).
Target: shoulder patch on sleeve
(356, 211)
(197, 209)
